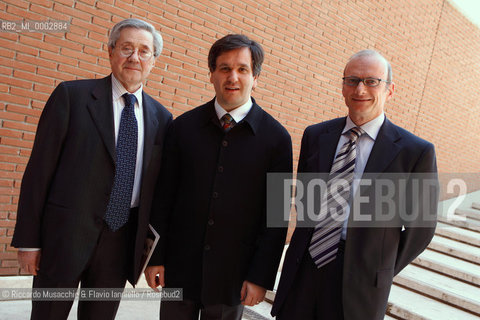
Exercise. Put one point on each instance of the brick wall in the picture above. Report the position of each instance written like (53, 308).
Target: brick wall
(433, 49)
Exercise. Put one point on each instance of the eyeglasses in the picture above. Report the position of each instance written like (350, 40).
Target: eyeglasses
(143, 54)
(369, 82)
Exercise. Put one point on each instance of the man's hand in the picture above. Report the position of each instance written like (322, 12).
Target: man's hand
(252, 294)
(155, 276)
(29, 261)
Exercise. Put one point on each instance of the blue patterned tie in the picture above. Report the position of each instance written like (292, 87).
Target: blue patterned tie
(327, 233)
(118, 208)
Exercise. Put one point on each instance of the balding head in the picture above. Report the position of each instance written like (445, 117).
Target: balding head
(368, 53)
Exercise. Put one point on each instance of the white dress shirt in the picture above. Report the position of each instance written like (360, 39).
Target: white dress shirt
(237, 114)
(364, 148)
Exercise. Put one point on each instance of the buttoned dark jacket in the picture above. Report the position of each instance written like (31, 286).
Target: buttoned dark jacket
(210, 207)
(69, 177)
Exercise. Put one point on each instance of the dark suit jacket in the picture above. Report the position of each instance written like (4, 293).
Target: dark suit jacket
(211, 204)
(69, 177)
(373, 255)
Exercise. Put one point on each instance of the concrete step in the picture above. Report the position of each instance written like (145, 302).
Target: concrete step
(476, 205)
(455, 248)
(441, 287)
(453, 267)
(469, 213)
(406, 304)
(458, 234)
(467, 223)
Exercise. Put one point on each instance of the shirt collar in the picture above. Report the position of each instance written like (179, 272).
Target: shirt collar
(118, 90)
(238, 114)
(372, 127)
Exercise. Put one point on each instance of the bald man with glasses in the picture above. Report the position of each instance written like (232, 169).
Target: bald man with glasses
(339, 268)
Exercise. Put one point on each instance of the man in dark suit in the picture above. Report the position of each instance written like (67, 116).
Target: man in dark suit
(354, 282)
(86, 193)
(210, 207)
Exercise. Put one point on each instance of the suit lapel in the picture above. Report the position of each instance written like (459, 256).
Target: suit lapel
(384, 150)
(327, 145)
(151, 125)
(101, 110)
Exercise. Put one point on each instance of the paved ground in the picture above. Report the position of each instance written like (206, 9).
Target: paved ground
(128, 310)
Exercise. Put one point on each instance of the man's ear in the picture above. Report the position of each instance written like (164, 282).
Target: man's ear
(391, 89)
(255, 78)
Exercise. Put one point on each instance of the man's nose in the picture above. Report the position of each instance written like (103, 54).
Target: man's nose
(233, 76)
(360, 87)
(135, 56)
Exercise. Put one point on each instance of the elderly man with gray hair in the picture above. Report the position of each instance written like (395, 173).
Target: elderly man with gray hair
(85, 197)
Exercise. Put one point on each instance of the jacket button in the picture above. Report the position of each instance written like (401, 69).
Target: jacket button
(210, 222)
(220, 169)
(207, 247)
(215, 195)
(224, 143)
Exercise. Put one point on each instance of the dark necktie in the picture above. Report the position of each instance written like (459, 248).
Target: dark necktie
(118, 208)
(228, 122)
(327, 233)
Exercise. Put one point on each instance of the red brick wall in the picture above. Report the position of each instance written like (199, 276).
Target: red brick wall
(433, 49)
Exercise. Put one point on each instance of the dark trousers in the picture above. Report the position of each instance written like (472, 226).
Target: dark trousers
(190, 310)
(316, 294)
(108, 268)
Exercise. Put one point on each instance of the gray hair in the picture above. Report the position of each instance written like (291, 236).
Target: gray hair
(137, 24)
(373, 53)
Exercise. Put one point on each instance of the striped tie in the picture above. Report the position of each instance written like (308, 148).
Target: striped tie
(326, 236)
